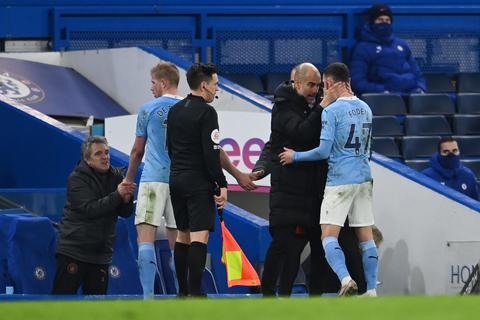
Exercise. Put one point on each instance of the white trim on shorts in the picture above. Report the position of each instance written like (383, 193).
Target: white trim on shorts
(154, 206)
(352, 200)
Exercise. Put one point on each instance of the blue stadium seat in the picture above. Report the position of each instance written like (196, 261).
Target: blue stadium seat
(427, 126)
(415, 147)
(469, 145)
(433, 103)
(439, 83)
(468, 103)
(166, 278)
(249, 81)
(383, 104)
(418, 164)
(123, 272)
(386, 126)
(31, 254)
(272, 80)
(464, 124)
(209, 286)
(468, 82)
(474, 165)
(386, 146)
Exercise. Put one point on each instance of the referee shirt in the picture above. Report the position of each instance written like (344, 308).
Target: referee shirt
(193, 139)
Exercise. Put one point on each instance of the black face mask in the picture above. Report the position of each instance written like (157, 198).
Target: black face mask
(382, 30)
(450, 162)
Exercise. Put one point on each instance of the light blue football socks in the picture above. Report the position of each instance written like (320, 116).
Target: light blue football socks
(335, 257)
(370, 262)
(147, 265)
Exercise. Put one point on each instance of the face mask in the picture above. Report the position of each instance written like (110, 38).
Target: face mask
(383, 30)
(450, 162)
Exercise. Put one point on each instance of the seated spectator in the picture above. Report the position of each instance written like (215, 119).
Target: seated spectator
(382, 62)
(445, 167)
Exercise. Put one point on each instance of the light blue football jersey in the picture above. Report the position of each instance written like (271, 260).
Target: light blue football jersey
(152, 125)
(348, 124)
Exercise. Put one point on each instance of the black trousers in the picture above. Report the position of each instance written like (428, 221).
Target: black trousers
(72, 274)
(283, 261)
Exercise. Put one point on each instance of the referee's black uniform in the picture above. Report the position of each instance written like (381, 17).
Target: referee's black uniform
(193, 146)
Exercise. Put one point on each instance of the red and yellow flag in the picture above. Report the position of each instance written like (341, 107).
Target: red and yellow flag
(239, 270)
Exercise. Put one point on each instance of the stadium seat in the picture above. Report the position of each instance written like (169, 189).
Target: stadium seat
(469, 145)
(415, 147)
(434, 103)
(249, 81)
(427, 126)
(209, 286)
(468, 82)
(386, 126)
(418, 164)
(464, 124)
(166, 278)
(31, 254)
(272, 80)
(468, 103)
(474, 165)
(383, 104)
(386, 146)
(123, 272)
(438, 83)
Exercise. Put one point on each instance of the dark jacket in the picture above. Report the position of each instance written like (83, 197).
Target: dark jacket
(384, 65)
(296, 188)
(87, 229)
(460, 178)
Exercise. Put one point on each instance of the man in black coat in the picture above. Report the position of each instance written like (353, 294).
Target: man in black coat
(96, 196)
(296, 192)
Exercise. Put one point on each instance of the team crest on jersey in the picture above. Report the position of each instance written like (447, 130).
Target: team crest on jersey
(400, 48)
(379, 49)
(114, 271)
(215, 135)
(20, 89)
(39, 273)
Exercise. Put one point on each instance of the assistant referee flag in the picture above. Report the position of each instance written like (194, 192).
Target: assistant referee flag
(239, 270)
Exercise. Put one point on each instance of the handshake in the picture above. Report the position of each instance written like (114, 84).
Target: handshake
(126, 190)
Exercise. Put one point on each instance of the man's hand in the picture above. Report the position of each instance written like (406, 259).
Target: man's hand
(126, 190)
(257, 175)
(286, 157)
(245, 181)
(221, 199)
(331, 94)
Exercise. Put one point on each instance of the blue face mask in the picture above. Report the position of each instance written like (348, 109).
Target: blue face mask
(449, 162)
(382, 30)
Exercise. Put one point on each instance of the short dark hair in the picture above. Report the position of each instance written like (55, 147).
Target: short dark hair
(338, 72)
(199, 72)
(87, 145)
(443, 140)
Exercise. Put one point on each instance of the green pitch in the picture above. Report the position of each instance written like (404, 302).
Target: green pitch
(384, 308)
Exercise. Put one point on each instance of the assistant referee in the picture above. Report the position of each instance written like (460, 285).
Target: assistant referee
(193, 145)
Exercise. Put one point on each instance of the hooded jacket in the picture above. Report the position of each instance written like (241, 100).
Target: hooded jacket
(382, 64)
(87, 229)
(296, 188)
(459, 178)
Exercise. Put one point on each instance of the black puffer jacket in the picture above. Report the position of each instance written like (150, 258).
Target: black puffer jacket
(296, 189)
(87, 229)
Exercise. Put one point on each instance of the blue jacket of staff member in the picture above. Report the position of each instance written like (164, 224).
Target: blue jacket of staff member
(382, 62)
(449, 171)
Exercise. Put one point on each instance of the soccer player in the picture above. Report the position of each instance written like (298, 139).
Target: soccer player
(154, 207)
(345, 140)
